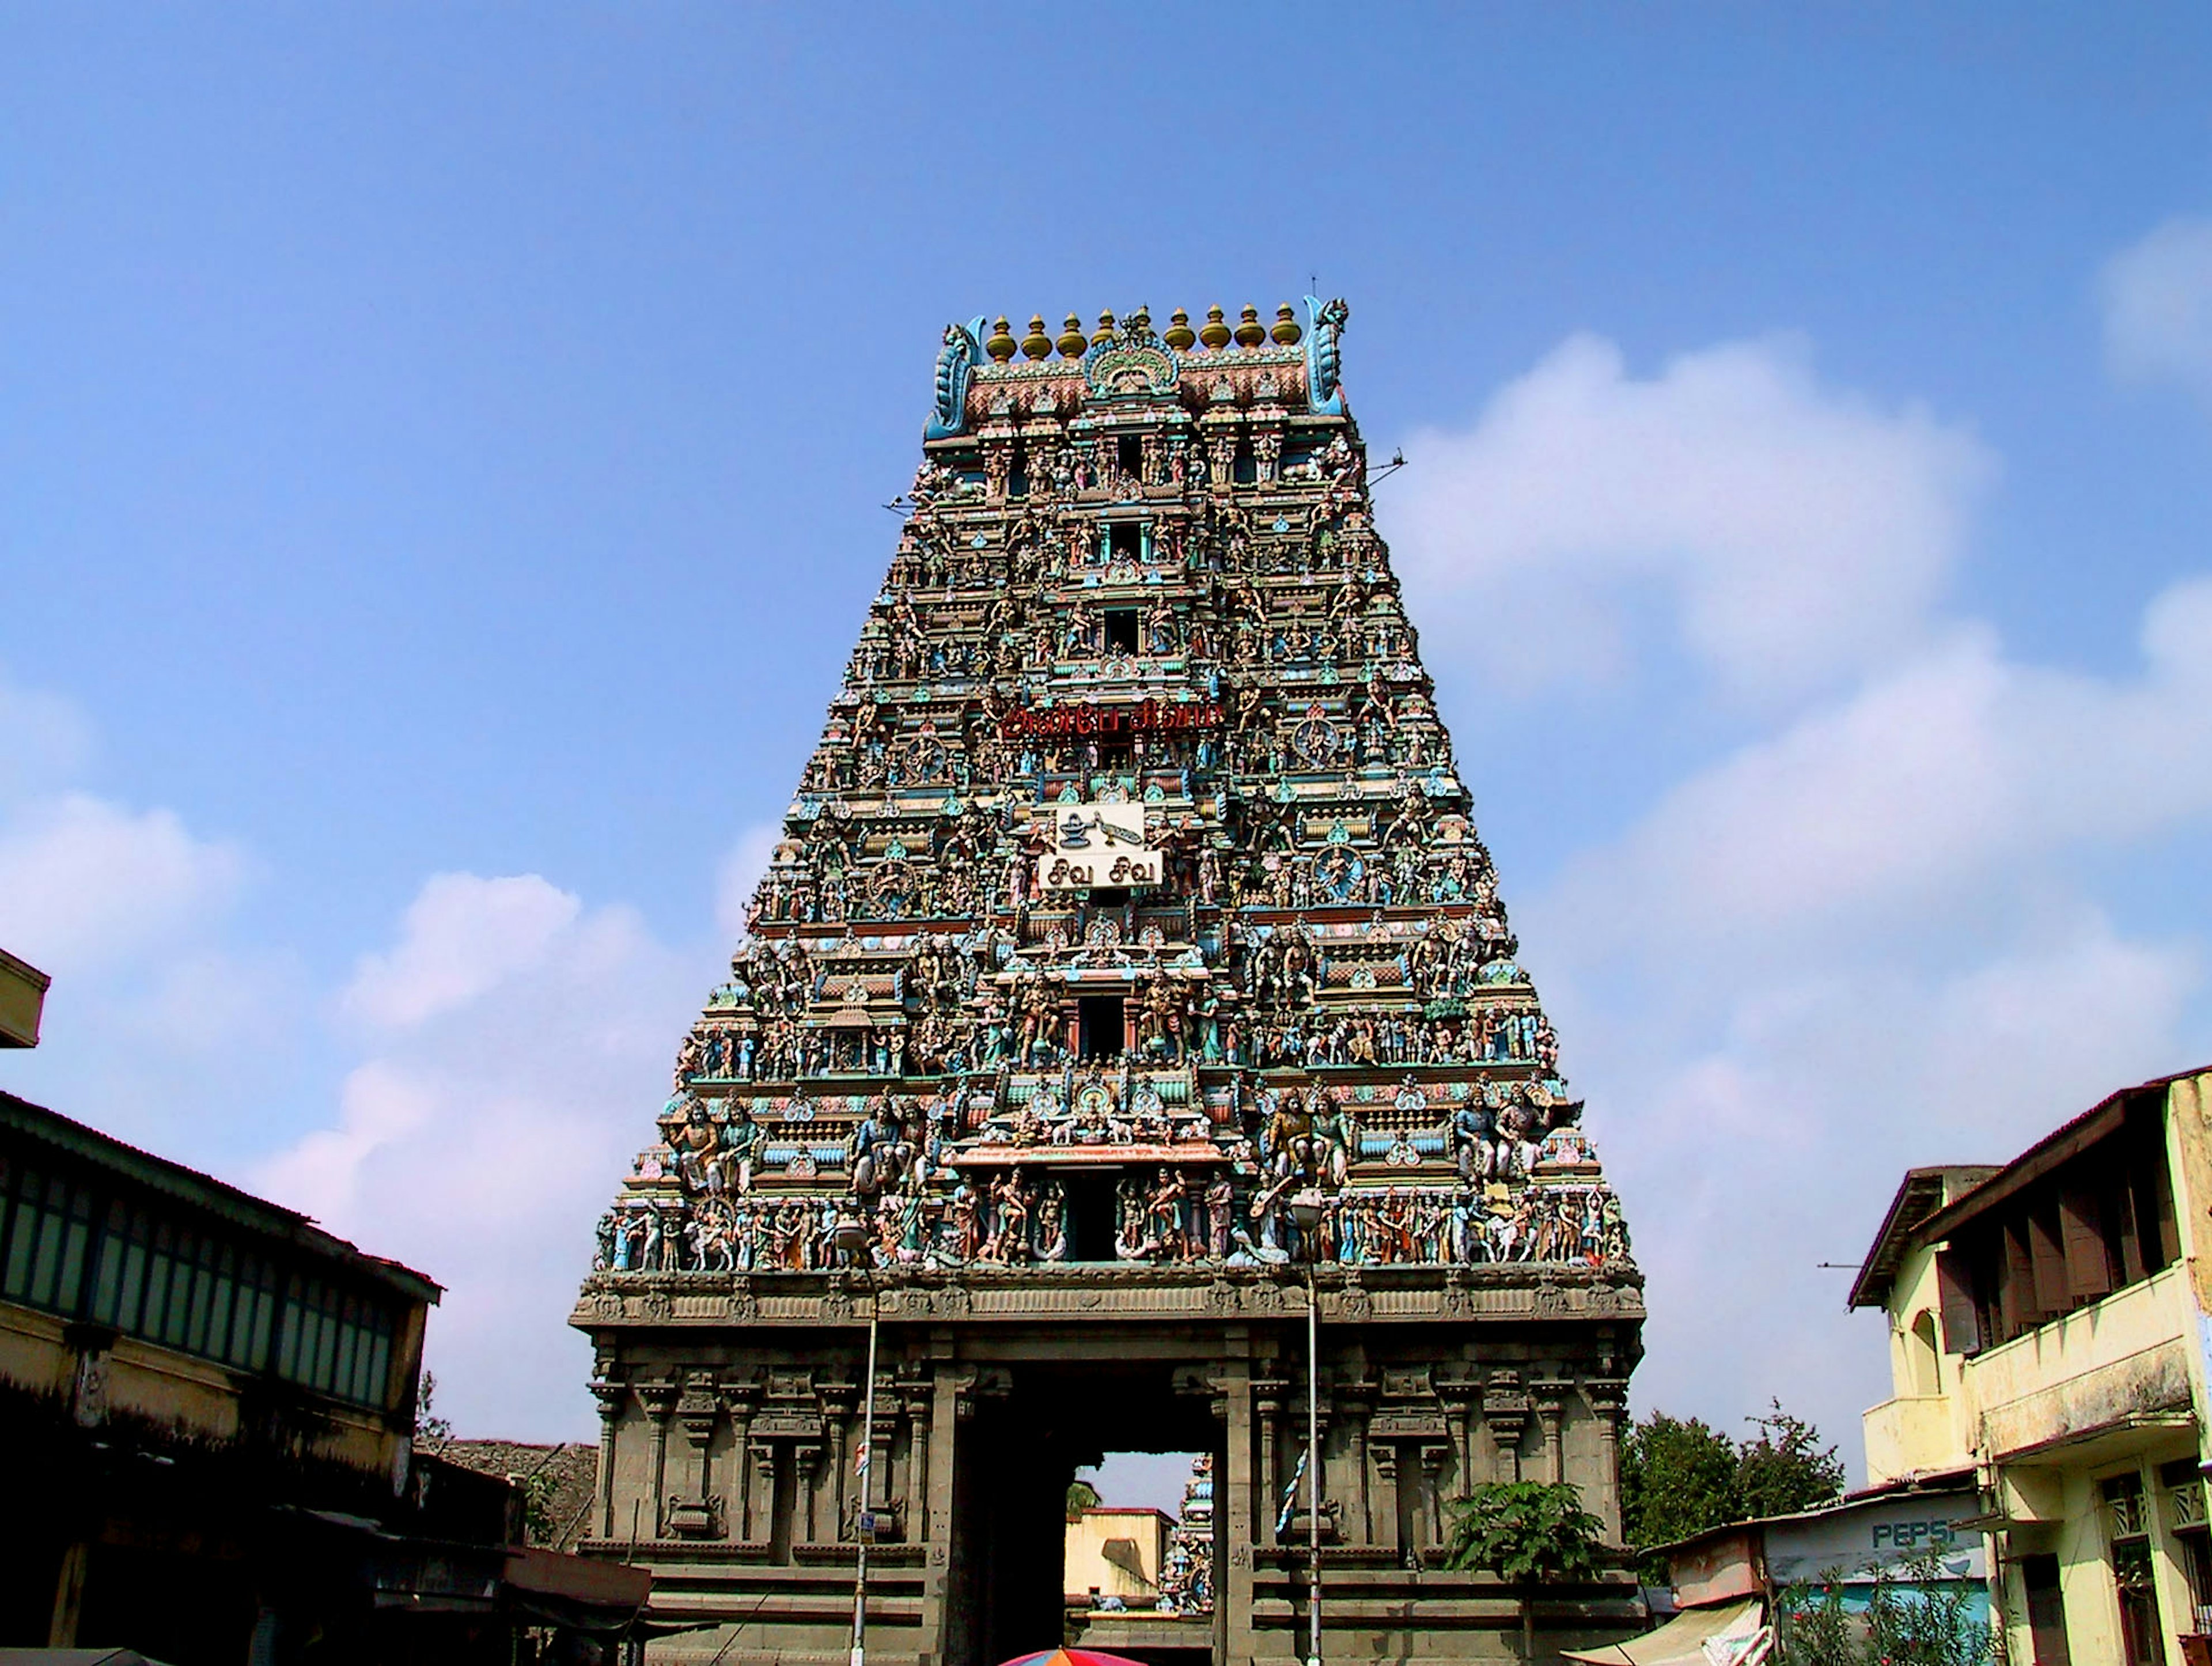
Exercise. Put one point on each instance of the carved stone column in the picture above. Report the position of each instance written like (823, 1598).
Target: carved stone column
(1269, 1409)
(916, 1491)
(807, 1512)
(1233, 1497)
(837, 1402)
(759, 1494)
(1607, 1399)
(738, 1398)
(1386, 1456)
(1429, 1509)
(698, 1410)
(1358, 1516)
(1552, 1411)
(1506, 1413)
(659, 1401)
(612, 1396)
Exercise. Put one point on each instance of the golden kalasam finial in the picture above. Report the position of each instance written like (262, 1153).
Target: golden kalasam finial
(1105, 331)
(1215, 335)
(1287, 332)
(1000, 347)
(1037, 344)
(1250, 332)
(1179, 335)
(1072, 340)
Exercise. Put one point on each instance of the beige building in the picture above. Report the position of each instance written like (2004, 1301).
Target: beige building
(1116, 1553)
(2047, 1333)
(22, 997)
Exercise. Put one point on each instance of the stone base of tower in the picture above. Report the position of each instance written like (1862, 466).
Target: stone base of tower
(735, 1414)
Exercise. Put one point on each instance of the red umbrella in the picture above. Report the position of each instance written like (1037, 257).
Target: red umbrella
(1072, 1657)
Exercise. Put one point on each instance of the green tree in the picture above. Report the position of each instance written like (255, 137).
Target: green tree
(1678, 1476)
(1786, 1469)
(1081, 1496)
(1526, 1532)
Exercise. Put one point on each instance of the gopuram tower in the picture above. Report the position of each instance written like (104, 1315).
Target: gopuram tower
(1129, 984)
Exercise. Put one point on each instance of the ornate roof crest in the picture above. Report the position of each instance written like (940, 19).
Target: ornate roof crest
(1132, 362)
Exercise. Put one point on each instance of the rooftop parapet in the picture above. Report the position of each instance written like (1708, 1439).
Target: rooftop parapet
(1288, 363)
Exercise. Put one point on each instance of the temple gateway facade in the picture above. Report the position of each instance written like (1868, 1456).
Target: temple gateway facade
(1130, 988)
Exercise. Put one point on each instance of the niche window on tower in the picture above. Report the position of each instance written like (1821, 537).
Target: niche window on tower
(1246, 470)
(1130, 451)
(1125, 540)
(1121, 630)
(1098, 1019)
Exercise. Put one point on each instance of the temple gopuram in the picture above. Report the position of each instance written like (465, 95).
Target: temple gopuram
(1130, 988)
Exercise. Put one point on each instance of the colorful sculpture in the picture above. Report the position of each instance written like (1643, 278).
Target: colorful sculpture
(1129, 910)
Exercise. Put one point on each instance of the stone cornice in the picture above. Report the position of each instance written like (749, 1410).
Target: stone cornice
(1110, 1295)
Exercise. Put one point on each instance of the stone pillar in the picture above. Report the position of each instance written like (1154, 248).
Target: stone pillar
(1506, 1413)
(1269, 1410)
(838, 1401)
(1607, 1400)
(806, 1470)
(876, 1484)
(737, 1401)
(698, 1411)
(1434, 1454)
(1358, 1517)
(660, 1399)
(916, 1490)
(1233, 1496)
(1386, 1467)
(1552, 1411)
(760, 1493)
(610, 1396)
(930, 1501)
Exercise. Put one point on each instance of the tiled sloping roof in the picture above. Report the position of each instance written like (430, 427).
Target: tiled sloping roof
(571, 1466)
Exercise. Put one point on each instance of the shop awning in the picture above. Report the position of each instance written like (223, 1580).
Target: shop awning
(1682, 1641)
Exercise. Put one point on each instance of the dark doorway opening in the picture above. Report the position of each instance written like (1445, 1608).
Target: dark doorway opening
(1007, 1582)
(1131, 450)
(1122, 630)
(1091, 1224)
(1125, 540)
(1100, 1034)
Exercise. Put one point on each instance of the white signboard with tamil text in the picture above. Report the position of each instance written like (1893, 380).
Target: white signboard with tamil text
(1100, 845)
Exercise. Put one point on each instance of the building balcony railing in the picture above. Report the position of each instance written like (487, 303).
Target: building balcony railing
(2131, 1321)
(1912, 1434)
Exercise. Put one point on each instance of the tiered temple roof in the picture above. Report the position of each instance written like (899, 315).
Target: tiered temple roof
(1129, 908)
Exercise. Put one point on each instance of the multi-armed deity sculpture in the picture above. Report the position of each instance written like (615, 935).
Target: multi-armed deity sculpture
(1130, 988)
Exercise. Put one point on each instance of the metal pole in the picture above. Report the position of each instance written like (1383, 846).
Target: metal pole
(867, 1486)
(1313, 1473)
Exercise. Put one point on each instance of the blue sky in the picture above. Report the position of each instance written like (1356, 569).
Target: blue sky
(442, 457)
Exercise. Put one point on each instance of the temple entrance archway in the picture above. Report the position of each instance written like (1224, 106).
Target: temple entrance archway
(1026, 1439)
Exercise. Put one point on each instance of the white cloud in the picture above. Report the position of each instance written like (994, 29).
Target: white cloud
(1793, 531)
(462, 936)
(523, 1046)
(1875, 927)
(1757, 1128)
(1926, 788)
(2157, 302)
(86, 884)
